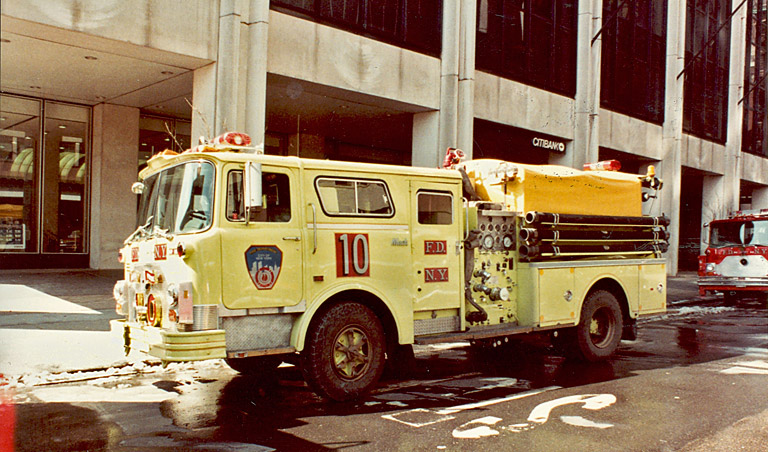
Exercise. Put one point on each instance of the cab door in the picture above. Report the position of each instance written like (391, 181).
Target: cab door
(262, 261)
(435, 240)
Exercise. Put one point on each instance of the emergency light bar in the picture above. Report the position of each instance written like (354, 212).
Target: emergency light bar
(229, 141)
(605, 165)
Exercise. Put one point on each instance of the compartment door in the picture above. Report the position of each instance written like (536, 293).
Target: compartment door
(435, 232)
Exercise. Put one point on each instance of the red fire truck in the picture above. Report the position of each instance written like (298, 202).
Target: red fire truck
(735, 262)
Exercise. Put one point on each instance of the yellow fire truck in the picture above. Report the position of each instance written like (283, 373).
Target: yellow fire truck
(256, 258)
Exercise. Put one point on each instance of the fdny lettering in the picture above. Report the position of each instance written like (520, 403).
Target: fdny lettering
(352, 255)
(135, 254)
(439, 274)
(435, 247)
(161, 251)
(149, 277)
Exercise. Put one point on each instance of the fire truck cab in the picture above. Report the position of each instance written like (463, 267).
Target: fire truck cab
(735, 262)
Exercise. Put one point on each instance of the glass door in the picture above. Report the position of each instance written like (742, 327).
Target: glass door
(19, 166)
(64, 177)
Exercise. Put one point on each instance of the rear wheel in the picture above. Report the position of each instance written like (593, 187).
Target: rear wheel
(599, 331)
(343, 357)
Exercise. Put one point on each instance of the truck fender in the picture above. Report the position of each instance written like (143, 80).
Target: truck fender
(401, 325)
(610, 284)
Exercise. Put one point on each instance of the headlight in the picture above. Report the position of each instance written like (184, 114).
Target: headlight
(118, 290)
(710, 267)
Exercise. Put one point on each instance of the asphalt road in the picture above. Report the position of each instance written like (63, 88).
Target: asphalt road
(695, 380)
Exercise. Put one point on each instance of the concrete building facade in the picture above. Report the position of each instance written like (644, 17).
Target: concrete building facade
(673, 84)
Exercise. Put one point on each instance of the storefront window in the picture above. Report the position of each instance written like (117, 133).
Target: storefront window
(157, 134)
(19, 140)
(65, 172)
(43, 178)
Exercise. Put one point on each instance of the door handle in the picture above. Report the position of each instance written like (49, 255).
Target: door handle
(295, 239)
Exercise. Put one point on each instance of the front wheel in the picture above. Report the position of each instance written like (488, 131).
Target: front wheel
(343, 357)
(599, 332)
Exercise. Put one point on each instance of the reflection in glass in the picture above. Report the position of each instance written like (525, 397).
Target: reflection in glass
(19, 138)
(157, 134)
(64, 178)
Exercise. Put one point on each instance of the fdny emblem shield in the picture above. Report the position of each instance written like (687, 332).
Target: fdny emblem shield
(264, 263)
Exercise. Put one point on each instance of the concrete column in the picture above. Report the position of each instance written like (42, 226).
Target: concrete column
(732, 168)
(114, 162)
(203, 102)
(713, 206)
(256, 82)
(426, 127)
(449, 83)
(670, 168)
(760, 198)
(585, 146)
(227, 67)
(466, 89)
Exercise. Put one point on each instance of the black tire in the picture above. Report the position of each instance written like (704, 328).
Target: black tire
(599, 331)
(731, 297)
(254, 365)
(344, 353)
(400, 361)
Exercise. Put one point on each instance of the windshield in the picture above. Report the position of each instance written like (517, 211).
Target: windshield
(733, 233)
(179, 199)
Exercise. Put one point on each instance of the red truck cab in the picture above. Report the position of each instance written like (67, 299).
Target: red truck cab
(735, 262)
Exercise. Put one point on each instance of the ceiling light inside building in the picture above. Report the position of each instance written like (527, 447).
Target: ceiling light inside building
(62, 126)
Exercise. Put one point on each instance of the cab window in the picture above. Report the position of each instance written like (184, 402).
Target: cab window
(435, 208)
(354, 197)
(276, 198)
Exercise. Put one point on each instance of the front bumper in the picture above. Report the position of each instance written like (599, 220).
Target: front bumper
(171, 346)
(722, 284)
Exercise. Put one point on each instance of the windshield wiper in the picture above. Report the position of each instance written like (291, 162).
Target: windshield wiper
(141, 230)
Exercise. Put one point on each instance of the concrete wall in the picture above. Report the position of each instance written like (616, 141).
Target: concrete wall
(113, 171)
(317, 53)
(513, 103)
(186, 27)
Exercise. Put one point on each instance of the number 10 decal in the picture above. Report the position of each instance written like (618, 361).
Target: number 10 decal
(352, 255)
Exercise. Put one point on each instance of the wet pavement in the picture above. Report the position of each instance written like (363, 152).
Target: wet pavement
(694, 380)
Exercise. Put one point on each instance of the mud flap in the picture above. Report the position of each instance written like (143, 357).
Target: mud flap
(629, 333)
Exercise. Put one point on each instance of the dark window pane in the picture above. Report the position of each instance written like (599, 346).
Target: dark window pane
(413, 24)
(706, 74)
(531, 41)
(753, 128)
(633, 58)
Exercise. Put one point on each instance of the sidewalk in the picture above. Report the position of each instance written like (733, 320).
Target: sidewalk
(58, 320)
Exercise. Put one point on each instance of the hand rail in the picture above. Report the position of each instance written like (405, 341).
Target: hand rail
(314, 228)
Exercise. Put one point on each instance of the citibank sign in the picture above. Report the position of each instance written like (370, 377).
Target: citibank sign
(548, 144)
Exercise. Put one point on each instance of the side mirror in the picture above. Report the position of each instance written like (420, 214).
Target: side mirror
(137, 188)
(252, 188)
